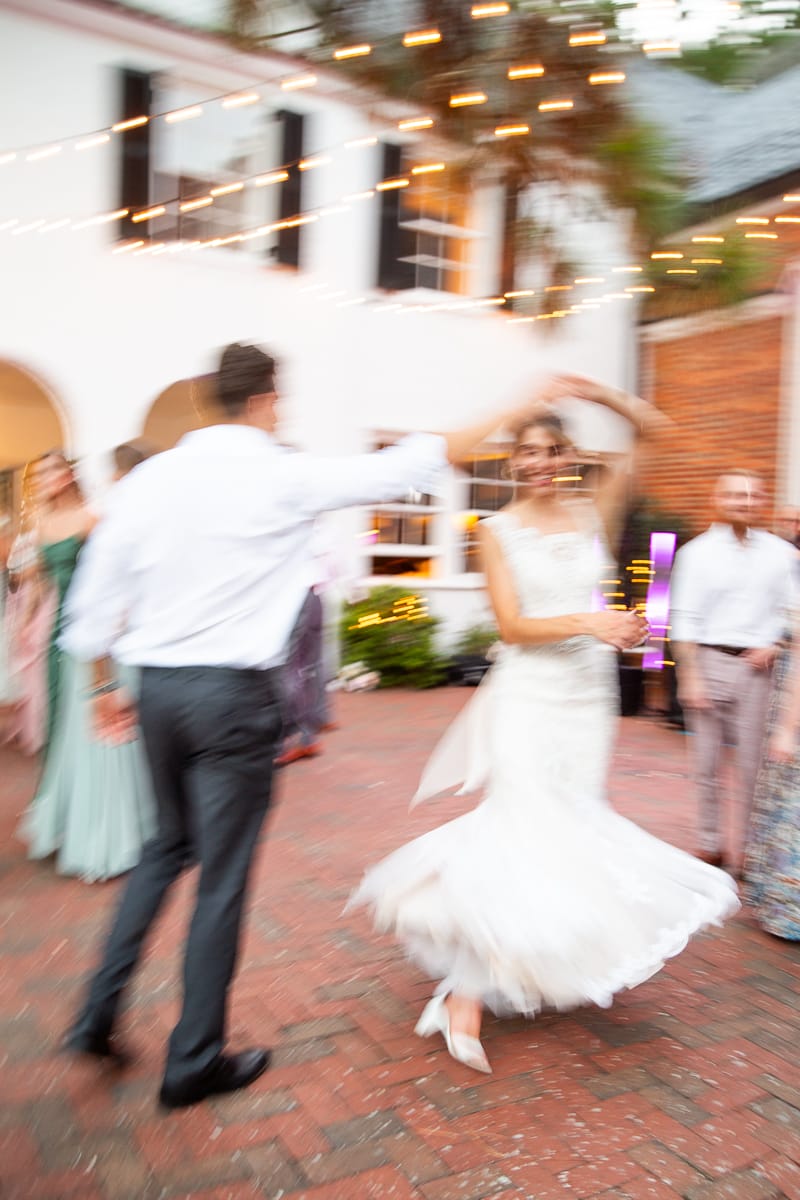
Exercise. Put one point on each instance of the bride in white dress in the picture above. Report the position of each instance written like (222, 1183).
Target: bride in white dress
(542, 896)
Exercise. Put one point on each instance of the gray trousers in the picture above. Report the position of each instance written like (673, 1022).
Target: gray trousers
(739, 696)
(210, 734)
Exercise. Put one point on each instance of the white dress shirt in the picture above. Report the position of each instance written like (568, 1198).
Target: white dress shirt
(727, 592)
(203, 555)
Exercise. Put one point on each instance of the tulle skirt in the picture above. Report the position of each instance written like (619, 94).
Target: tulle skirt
(542, 896)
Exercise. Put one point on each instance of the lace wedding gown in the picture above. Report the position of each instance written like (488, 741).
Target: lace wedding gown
(542, 896)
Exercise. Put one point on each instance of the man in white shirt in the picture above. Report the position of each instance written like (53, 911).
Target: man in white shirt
(196, 576)
(732, 590)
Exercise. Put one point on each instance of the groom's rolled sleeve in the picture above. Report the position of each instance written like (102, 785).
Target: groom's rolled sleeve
(416, 462)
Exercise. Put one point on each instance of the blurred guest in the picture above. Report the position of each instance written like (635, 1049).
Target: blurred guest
(772, 858)
(786, 524)
(542, 896)
(93, 808)
(30, 611)
(732, 592)
(306, 712)
(8, 684)
(129, 455)
(207, 547)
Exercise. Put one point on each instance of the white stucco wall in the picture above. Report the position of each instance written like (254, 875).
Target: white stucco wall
(110, 332)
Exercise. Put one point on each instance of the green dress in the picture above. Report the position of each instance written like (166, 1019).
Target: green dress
(94, 807)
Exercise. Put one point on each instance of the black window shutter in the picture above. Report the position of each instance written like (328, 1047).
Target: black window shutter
(288, 250)
(394, 242)
(136, 94)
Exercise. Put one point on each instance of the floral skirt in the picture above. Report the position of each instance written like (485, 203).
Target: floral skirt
(772, 864)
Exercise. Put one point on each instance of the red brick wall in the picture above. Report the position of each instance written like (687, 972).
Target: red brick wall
(721, 387)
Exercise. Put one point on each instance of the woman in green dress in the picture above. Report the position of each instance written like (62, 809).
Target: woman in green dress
(93, 808)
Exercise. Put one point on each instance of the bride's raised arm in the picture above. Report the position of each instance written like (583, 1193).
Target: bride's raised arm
(613, 491)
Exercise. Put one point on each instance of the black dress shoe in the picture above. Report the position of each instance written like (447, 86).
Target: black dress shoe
(228, 1074)
(97, 1045)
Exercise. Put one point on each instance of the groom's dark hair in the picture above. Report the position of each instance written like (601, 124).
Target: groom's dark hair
(244, 371)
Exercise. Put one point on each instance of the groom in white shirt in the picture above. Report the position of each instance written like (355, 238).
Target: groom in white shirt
(205, 552)
(732, 591)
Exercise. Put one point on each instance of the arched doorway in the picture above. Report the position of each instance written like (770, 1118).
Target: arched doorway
(30, 424)
(183, 406)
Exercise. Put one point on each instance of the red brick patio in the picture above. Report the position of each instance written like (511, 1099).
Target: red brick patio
(688, 1087)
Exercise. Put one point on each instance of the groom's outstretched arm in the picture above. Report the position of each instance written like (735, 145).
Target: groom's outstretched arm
(415, 462)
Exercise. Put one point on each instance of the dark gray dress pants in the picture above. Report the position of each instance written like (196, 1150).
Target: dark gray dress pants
(210, 734)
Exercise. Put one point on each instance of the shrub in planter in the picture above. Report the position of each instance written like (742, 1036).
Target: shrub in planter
(479, 639)
(392, 633)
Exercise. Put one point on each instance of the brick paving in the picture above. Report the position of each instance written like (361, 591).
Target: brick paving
(688, 1087)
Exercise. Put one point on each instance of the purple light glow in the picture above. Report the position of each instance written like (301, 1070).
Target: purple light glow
(662, 552)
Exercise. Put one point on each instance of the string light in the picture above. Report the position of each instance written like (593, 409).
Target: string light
(534, 71)
(643, 288)
(428, 168)
(184, 114)
(191, 205)
(389, 185)
(316, 160)
(466, 98)
(271, 177)
(707, 262)
(226, 189)
(752, 220)
(596, 38)
(556, 105)
(787, 220)
(127, 247)
(297, 82)
(682, 271)
(149, 213)
(627, 270)
(357, 143)
(518, 295)
(708, 239)
(601, 77)
(411, 124)
(511, 130)
(352, 52)
(479, 11)
(660, 255)
(792, 198)
(771, 237)
(47, 152)
(424, 37)
(130, 123)
(103, 218)
(241, 100)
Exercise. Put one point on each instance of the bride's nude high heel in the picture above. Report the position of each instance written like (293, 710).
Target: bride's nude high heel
(460, 1046)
